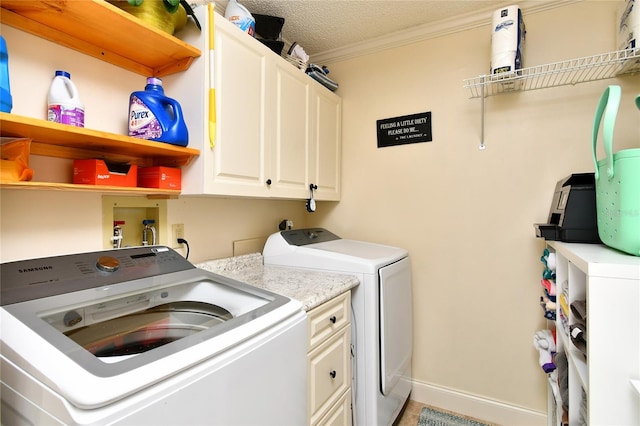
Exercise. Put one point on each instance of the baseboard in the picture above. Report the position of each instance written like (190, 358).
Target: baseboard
(475, 406)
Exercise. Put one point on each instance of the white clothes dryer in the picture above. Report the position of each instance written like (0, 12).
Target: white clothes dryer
(382, 312)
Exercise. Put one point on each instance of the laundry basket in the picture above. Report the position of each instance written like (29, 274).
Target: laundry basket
(617, 179)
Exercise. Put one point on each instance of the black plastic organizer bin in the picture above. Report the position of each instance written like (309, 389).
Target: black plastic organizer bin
(268, 27)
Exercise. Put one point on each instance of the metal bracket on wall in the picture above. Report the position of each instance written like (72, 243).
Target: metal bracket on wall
(482, 145)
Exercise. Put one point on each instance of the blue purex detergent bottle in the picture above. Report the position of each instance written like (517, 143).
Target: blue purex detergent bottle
(154, 116)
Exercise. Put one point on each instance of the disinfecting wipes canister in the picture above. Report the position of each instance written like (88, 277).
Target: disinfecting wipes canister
(507, 40)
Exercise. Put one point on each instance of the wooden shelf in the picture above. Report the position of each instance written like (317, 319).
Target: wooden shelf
(64, 141)
(115, 190)
(101, 30)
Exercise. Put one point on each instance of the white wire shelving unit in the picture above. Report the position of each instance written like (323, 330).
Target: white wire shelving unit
(569, 72)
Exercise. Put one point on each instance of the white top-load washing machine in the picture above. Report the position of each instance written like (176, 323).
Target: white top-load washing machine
(382, 312)
(141, 336)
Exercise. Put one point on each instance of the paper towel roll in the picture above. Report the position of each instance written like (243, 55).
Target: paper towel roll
(507, 40)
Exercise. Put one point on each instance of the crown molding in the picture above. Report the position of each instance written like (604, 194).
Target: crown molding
(429, 31)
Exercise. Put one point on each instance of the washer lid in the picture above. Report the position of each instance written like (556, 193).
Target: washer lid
(339, 254)
(184, 300)
(360, 249)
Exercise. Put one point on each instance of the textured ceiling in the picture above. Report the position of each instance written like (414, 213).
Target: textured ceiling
(321, 26)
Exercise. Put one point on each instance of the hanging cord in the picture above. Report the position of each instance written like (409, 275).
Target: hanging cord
(183, 241)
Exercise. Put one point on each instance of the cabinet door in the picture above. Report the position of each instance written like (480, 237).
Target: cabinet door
(289, 168)
(327, 143)
(240, 156)
(329, 373)
(339, 414)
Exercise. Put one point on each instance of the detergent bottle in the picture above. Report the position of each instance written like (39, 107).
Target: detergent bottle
(6, 101)
(239, 15)
(63, 101)
(154, 116)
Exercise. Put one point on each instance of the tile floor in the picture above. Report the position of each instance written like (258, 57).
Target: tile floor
(410, 415)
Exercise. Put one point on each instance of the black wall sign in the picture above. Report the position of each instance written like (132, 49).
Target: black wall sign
(403, 130)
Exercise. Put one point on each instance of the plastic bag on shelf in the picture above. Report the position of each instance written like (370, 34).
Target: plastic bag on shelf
(14, 164)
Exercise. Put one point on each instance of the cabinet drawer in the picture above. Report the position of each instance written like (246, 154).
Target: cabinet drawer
(339, 414)
(329, 373)
(328, 318)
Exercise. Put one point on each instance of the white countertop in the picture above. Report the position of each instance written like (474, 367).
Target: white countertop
(311, 288)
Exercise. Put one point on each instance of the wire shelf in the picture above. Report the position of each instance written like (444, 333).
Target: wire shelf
(573, 71)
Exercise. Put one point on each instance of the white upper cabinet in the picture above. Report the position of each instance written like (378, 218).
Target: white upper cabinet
(278, 131)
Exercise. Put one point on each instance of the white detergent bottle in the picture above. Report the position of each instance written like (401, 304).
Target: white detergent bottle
(63, 101)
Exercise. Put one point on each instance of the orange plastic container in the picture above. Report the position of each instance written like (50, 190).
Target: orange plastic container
(160, 177)
(98, 172)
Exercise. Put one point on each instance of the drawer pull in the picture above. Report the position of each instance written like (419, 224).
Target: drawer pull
(332, 373)
(333, 319)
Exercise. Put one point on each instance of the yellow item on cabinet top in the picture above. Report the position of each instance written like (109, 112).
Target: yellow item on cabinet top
(155, 14)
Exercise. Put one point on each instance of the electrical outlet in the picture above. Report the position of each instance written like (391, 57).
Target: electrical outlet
(177, 231)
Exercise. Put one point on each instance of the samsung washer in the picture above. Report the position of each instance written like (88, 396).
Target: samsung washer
(381, 307)
(141, 336)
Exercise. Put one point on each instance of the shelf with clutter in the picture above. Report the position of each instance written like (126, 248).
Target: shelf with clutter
(64, 141)
(597, 287)
(544, 341)
(104, 31)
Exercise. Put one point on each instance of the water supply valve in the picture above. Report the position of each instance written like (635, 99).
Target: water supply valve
(148, 229)
(117, 234)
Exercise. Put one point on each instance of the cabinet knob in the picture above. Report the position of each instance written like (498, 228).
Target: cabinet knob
(333, 319)
(268, 182)
(332, 373)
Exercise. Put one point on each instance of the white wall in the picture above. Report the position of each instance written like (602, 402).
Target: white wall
(466, 216)
(49, 223)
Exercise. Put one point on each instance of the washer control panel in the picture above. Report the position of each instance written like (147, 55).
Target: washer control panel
(301, 237)
(36, 278)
